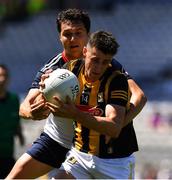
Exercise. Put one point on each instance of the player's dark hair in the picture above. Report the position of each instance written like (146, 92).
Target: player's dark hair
(4, 67)
(74, 16)
(104, 41)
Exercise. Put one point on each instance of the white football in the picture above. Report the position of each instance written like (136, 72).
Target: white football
(61, 83)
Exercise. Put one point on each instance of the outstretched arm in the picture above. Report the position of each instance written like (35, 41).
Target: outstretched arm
(137, 101)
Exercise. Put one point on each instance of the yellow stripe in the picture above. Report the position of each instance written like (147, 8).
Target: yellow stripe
(131, 171)
(120, 94)
(78, 141)
(118, 97)
(94, 142)
(94, 92)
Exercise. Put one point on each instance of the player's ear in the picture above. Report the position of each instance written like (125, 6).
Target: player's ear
(84, 51)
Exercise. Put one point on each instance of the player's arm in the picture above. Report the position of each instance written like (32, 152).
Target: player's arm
(138, 98)
(110, 125)
(137, 101)
(33, 107)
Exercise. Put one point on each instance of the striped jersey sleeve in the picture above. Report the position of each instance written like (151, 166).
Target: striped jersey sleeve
(118, 91)
(54, 63)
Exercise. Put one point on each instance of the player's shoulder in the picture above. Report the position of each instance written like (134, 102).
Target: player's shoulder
(55, 59)
(118, 78)
(54, 62)
(116, 64)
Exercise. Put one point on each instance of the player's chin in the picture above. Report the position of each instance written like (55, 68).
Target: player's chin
(76, 52)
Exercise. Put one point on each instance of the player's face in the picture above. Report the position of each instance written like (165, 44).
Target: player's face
(73, 37)
(3, 79)
(96, 63)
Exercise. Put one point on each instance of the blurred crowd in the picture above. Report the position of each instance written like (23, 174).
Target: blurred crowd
(160, 122)
(15, 10)
(161, 171)
(20, 10)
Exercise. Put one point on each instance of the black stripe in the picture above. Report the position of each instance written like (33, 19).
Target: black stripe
(85, 136)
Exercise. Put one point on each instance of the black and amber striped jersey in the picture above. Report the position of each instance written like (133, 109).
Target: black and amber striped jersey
(111, 88)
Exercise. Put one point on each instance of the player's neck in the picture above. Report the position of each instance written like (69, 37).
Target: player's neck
(69, 57)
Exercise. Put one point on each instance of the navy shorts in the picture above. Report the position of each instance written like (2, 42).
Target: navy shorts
(48, 151)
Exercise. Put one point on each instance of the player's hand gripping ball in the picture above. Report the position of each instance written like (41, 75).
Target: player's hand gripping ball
(61, 83)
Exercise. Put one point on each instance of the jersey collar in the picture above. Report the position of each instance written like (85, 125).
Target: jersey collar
(64, 57)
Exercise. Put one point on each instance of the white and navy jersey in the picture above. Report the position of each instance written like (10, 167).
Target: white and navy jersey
(57, 62)
(59, 129)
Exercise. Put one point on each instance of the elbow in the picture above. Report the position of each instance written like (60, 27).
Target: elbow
(139, 97)
(23, 112)
(143, 99)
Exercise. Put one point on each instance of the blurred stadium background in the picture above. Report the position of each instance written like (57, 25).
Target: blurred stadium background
(28, 38)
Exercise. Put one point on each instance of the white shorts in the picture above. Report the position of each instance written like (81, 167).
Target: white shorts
(85, 166)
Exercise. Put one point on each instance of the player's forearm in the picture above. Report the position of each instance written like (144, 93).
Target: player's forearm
(24, 111)
(103, 125)
(25, 107)
(137, 102)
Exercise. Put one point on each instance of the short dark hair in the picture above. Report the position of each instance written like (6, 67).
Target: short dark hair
(75, 16)
(104, 41)
(4, 67)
